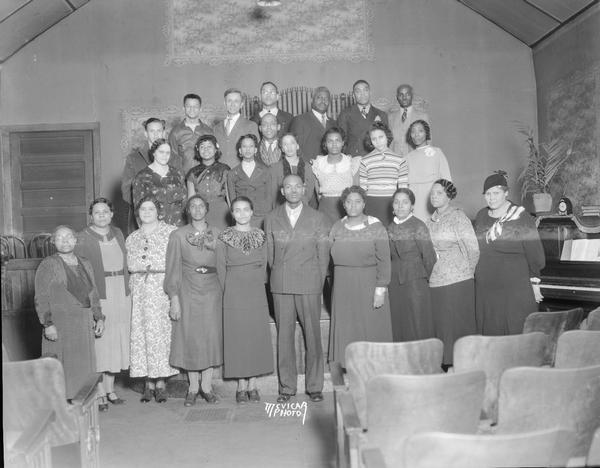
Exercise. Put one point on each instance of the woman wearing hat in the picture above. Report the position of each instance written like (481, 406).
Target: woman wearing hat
(511, 257)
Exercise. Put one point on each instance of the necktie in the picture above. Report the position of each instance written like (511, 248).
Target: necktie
(228, 125)
(324, 120)
(404, 115)
(363, 111)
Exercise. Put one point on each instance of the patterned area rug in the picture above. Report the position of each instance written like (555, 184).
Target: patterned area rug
(240, 31)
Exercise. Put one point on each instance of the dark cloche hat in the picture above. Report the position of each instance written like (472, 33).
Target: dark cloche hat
(497, 178)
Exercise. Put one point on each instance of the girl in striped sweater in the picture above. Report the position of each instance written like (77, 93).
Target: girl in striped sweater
(381, 172)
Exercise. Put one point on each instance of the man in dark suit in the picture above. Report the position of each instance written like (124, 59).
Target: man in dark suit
(310, 127)
(268, 148)
(269, 97)
(298, 254)
(356, 120)
(229, 130)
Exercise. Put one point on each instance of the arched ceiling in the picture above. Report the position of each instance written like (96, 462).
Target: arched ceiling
(21, 21)
(530, 21)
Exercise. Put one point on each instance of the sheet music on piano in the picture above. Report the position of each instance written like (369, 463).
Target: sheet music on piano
(572, 248)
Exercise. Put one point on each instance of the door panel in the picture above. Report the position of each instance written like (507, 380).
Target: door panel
(53, 179)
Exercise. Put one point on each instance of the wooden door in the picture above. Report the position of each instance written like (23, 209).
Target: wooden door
(52, 179)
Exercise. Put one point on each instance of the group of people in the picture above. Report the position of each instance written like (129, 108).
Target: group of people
(292, 204)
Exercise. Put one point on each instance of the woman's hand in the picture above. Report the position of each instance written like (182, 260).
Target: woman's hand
(99, 327)
(175, 310)
(537, 292)
(379, 297)
(51, 333)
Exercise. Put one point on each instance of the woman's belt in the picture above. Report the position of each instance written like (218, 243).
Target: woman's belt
(146, 272)
(114, 273)
(204, 270)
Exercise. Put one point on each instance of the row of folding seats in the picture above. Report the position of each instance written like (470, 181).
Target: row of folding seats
(394, 391)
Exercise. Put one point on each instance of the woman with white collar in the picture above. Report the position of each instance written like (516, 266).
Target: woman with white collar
(426, 164)
(413, 258)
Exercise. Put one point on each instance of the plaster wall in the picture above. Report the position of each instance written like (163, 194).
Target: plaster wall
(109, 55)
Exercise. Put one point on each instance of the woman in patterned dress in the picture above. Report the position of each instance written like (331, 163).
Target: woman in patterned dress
(334, 172)
(163, 182)
(209, 179)
(451, 282)
(104, 246)
(196, 301)
(242, 267)
(426, 164)
(360, 251)
(150, 322)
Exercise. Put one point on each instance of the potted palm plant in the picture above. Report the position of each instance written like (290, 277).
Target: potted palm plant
(541, 166)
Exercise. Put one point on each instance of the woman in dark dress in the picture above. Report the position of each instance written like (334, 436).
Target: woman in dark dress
(162, 182)
(68, 306)
(413, 258)
(209, 179)
(360, 250)
(508, 273)
(196, 301)
(242, 264)
(252, 179)
(451, 282)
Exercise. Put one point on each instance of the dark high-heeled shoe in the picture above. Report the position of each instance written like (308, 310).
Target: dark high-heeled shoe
(148, 395)
(102, 404)
(114, 399)
(210, 397)
(161, 395)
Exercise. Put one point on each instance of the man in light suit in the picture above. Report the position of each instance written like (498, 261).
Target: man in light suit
(298, 254)
(229, 130)
(400, 121)
(269, 97)
(310, 127)
(356, 120)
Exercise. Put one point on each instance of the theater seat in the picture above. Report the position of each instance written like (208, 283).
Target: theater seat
(365, 360)
(593, 320)
(399, 406)
(495, 354)
(578, 348)
(538, 398)
(553, 324)
(34, 388)
(552, 447)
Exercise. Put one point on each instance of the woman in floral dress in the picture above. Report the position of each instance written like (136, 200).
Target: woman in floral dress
(150, 322)
(163, 182)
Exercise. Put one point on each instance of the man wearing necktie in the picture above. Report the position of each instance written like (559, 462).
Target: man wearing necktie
(310, 127)
(356, 120)
(269, 98)
(230, 129)
(400, 120)
(268, 149)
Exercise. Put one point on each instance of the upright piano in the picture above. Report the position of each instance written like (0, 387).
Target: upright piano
(571, 277)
